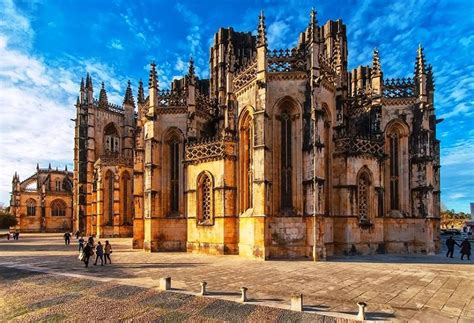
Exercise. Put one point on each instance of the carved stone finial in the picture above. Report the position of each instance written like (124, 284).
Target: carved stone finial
(82, 84)
(313, 24)
(376, 68)
(191, 71)
(420, 61)
(141, 95)
(103, 101)
(128, 99)
(153, 80)
(261, 31)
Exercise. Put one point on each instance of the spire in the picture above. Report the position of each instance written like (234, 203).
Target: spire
(49, 167)
(153, 81)
(129, 95)
(261, 31)
(89, 90)
(376, 68)
(65, 168)
(420, 61)
(191, 77)
(77, 101)
(430, 78)
(82, 85)
(103, 102)
(313, 24)
(88, 81)
(37, 166)
(140, 95)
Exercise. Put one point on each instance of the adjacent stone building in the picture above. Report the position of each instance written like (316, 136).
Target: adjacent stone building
(280, 153)
(43, 201)
(103, 163)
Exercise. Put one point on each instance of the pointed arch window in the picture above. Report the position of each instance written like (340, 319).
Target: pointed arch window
(394, 146)
(174, 175)
(109, 194)
(363, 191)
(126, 199)
(286, 162)
(111, 139)
(205, 208)
(245, 156)
(58, 208)
(31, 208)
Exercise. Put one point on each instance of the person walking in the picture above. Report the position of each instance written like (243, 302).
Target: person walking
(99, 250)
(77, 234)
(67, 238)
(107, 252)
(81, 243)
(466, 249)
(450, 243)
(91, 240)
(87, 252)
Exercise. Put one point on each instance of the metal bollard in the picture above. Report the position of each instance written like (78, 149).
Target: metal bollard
(361, 314)
(203, 288)
(297, 302)
(165, 283)
(243, 298)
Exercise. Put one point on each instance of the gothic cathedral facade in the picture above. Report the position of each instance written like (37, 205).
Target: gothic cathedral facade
(280, 153)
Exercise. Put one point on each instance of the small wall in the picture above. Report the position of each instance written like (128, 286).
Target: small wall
(388, 235)
(251, 236)
(286, 237)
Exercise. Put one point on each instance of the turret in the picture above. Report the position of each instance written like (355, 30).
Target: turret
(153, 91)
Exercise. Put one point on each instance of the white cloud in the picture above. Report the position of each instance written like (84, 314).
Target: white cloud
(37, 101)
(277, 34)
(116, 44)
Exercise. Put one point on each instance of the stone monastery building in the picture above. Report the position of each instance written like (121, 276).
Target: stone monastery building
(43, 201)
(280, 153)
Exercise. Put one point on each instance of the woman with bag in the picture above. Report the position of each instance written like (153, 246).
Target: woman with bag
(108, 251)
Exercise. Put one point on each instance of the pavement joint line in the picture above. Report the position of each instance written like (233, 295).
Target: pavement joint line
(250, 301)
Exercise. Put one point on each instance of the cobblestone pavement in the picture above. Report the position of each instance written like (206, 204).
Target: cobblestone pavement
(27, 296)
(417, 288)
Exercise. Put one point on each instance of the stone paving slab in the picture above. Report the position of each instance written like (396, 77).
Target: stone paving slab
(27, 296)
(395, 287)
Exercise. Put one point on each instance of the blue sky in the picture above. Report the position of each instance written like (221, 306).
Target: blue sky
(47, 46)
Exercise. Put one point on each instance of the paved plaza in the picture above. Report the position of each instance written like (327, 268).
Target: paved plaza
(417, 288)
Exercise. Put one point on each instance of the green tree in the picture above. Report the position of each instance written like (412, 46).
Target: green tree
(7, 220)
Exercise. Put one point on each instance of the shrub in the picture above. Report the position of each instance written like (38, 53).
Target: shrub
(7, 220)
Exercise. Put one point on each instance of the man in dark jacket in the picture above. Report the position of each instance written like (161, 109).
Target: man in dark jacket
(450, 243)
(466, 249)
(67, 238)
(87, 253)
